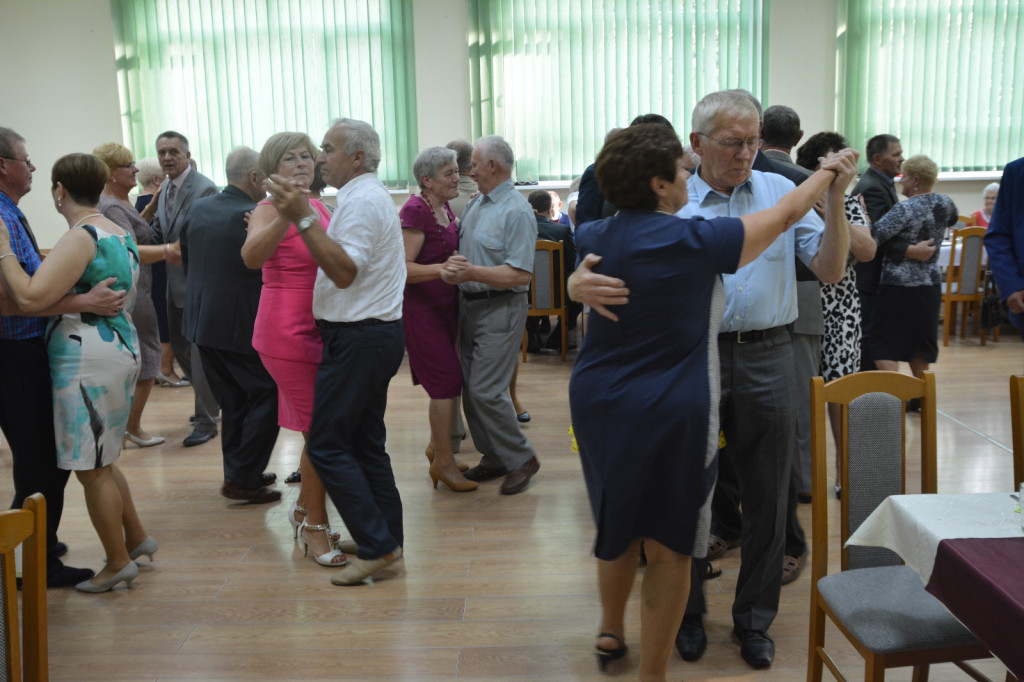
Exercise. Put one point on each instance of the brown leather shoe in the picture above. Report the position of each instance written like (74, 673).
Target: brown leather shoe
(481, 473)
(517, 480)
(254, 496)
(268, 478)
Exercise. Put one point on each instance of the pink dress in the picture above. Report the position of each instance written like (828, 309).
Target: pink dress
(285, 334)
(430, 310)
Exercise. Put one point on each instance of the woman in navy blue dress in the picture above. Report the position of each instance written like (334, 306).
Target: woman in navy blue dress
(644, 391)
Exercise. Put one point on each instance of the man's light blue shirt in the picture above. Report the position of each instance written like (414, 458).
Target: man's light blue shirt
(761, 294)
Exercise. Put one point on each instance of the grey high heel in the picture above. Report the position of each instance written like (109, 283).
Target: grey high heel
(147, 547)
(126, 575)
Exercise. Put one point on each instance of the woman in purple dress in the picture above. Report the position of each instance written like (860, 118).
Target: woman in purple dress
(431, 308)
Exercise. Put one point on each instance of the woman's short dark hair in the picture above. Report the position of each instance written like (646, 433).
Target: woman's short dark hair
(82, 175)
(633, 156)
(818, 145)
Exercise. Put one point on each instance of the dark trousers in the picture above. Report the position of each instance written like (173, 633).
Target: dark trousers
(248, 399)
(187, 355)
(758, 418)
(867, 307)
(347, 434)
(26, 417)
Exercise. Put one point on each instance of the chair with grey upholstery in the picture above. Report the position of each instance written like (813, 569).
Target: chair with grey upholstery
(964, 287)
(547, 289)
(879, 604)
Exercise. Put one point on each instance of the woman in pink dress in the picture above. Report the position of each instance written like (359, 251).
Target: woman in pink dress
(430, 311)
(285, 334)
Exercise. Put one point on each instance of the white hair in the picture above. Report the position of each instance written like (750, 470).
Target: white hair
(240, 162)
(495, 148)
(739, 103)
(990, 187)
(361, 137)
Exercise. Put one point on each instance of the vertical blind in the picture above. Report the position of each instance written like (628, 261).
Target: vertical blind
(226, 74)
(942, 75)
(554, 77)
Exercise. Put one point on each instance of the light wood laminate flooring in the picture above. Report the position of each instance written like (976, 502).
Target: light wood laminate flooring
(491, 587)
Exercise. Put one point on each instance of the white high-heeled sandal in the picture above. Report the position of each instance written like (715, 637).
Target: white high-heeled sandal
(293, 512)
(328, 557)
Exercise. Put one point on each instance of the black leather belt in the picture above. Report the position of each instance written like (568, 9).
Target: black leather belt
(490, 293)
(752, 336)
(370, 322)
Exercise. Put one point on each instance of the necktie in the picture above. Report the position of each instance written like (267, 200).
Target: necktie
(172, 190)
(28, 230)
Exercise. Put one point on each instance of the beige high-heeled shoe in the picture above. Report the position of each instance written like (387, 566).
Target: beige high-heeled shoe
(328, 557)
(460, 486)
(430, 458)
(294, 512)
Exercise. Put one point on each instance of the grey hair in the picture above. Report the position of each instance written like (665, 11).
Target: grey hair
(361, 137)
(990, 187)
(495, 148)
(9, 138)
(240, 162)
(691, 159)
(464, 154)
(429, 161)
(737, 103)
(149, 168)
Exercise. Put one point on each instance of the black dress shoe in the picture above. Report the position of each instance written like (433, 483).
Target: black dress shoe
(252, 495)
(269, 478)
(67, 576)
(804, 498)
(756, 648)
(58, 550)
(517, 479)
(294, 477)
(691, 640)
(523, 417)
(197, 438)
(481, 473)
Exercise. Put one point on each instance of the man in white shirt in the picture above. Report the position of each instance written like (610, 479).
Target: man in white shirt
(357, 303)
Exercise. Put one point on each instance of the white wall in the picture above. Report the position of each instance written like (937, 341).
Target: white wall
(61, 94)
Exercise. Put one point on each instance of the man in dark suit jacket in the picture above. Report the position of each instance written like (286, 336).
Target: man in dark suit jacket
(221, 300)
(183, 186)
(1005, 238)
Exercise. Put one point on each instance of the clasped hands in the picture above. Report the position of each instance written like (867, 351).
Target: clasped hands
(290, 201)
(456, 269)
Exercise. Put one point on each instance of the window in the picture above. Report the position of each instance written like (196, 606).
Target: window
(226, 74)
(554, 77)
(938, 74)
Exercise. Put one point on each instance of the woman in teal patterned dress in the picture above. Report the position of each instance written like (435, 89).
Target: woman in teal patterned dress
(94, 360)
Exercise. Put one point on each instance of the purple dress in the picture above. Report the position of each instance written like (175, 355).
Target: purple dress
(430, 311)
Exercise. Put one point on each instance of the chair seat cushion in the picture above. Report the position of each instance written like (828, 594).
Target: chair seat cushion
(888, 610)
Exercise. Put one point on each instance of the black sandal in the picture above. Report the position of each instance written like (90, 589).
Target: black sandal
(606, 656)
(710, 572)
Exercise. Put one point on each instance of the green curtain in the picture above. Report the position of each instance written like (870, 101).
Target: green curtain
(942, 75)
(226, 74)
(554, 77)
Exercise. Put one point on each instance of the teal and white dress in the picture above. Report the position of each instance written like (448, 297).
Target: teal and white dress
(94, 362)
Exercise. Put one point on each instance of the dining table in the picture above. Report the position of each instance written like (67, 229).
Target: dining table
(968, 549)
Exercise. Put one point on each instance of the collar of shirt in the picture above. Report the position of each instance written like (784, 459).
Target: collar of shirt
(500, 191)
(352, 185)
(889, 181)
(180, 180)
(701, 189)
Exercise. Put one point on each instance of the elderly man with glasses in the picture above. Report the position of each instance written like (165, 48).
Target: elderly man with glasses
(757, 407)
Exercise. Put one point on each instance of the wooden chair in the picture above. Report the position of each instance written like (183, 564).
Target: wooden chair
(965, 280)
(547, 289)
(25, 648)
(880, 605)
(1017, 425)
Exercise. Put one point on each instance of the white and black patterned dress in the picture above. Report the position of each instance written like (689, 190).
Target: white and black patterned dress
(840, 304)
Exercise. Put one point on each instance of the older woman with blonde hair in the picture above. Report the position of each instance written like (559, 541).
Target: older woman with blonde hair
(116, 207)
(285, 334)
(430, 309)
(94, 361)
(909, 293)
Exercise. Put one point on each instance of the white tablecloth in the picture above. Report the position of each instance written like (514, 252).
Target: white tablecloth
(913, 525)
(946, 247)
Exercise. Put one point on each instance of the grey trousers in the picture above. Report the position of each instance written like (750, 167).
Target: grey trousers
(490, 334)
(187, 355)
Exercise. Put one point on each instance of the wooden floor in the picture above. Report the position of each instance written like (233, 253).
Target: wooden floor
(491, 587)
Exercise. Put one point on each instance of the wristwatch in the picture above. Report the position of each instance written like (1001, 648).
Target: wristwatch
(306, 223)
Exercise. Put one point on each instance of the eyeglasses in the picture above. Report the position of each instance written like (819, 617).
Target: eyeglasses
(24, 161)
(734, 145)
(127, 165)
(291, 159)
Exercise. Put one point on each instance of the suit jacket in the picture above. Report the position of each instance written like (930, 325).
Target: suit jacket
(591, 204)
(1004, 240)
(222, 294)
(167, 225)
(879, 197)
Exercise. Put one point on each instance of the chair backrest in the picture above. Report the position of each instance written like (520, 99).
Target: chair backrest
(546, 297)
(964, 274)
(1017, 424)
(873, 442)
(25, 648)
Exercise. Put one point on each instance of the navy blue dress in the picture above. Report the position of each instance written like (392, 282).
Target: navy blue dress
(644, 391)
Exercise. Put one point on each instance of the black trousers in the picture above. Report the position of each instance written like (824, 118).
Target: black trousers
(26, 417)
(346, 437)
(247, 396)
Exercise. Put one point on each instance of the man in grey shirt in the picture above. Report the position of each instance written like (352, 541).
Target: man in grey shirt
(493, 271)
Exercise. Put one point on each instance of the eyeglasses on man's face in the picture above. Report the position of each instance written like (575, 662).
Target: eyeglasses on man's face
(735, 144)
